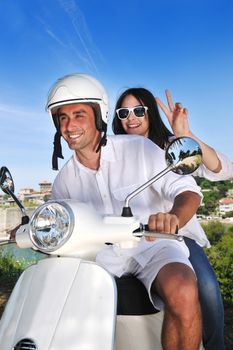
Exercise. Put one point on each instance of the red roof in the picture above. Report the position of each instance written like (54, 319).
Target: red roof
(226, 200)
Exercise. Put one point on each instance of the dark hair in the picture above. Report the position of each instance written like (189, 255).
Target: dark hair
(158, 132)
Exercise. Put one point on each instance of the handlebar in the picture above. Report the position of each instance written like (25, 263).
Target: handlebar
(144, 231)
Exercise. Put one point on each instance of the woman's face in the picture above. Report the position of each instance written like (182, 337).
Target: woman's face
(133, 124)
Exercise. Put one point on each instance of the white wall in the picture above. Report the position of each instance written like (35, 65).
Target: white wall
(9, 218)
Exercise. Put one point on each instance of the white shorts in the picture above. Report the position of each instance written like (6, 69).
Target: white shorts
(117, 263)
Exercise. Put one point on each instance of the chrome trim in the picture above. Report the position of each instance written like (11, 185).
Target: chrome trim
(70, 225)
(25, 344)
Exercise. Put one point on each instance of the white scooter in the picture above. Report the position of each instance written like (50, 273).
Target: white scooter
(67, 301)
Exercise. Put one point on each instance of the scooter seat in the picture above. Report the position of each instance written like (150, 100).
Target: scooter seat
(133, 298)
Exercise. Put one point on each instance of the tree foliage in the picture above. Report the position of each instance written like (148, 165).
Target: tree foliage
(221, 256)
(214, 231)
(10, 268)
(213, 192)
(229, 214)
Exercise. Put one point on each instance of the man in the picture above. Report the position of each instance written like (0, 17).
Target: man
(102, 175)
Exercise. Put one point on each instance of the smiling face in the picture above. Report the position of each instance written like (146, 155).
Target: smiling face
(77, 126)
(133, 124)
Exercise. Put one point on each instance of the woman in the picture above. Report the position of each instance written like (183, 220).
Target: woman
(215, 167)
(137, 112)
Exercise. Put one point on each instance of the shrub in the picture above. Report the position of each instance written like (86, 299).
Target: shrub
(214, 231)
(221, 259)
(10, 269)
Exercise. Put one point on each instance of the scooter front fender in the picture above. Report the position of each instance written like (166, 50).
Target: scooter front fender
(61, 303)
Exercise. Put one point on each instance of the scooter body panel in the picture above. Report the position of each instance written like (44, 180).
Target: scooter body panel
(139, 332)
(61, 303)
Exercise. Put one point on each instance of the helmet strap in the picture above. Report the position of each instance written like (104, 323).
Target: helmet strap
(57, 151)
(103, 140)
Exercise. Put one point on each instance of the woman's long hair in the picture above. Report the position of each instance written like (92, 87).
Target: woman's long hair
(158, 132)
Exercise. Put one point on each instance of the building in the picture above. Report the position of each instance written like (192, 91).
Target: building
(225, 205)
(45, 186)
(28, 194)
(25, 192)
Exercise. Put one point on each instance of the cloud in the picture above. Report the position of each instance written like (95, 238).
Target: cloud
(55, 37)
(81, 29)
(77, 40)
(51, 33)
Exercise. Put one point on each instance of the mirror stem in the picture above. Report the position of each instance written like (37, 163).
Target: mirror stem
(126, 208)
(23, 211)
(147, 184)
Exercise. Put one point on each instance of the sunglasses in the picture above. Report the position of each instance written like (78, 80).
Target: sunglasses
(139, 111)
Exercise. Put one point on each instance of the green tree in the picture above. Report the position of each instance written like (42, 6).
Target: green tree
(203, 211)
(214, 231)
(211, 201)
(229, 230)
(221, 258)
(212, 191)
(229, 214)
(222, 187)
(206, 184)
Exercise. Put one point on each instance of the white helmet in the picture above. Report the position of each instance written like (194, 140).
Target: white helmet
(77, 88)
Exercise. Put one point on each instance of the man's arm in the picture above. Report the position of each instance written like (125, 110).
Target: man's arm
(184, 207)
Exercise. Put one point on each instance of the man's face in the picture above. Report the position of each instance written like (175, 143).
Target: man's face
(77, 126)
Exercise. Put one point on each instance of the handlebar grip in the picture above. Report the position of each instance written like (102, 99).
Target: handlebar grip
(146, 228)
(143, 230)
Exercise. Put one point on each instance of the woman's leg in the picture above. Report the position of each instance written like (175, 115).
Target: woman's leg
(209, 296)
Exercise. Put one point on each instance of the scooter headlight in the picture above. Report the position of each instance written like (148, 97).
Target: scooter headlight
(51, 226)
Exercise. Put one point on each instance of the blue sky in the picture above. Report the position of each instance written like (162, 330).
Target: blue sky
(183, 45)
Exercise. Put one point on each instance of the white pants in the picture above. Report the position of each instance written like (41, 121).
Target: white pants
(120, 262)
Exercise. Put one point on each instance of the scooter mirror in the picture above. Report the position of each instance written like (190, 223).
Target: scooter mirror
(183, 155)
(7, 186)
(6, 181)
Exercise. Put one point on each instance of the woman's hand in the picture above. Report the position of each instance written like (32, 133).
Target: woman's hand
(176, 115)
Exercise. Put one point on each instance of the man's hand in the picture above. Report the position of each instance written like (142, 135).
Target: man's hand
(176, 115)
(163, 223)
(184, 207)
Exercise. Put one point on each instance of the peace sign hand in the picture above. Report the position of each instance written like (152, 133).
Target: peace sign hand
(176, 115)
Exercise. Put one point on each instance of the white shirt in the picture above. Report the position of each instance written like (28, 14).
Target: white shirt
(226, 173)
(127, 161)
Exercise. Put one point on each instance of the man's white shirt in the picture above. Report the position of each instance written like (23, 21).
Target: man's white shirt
(127, 162)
